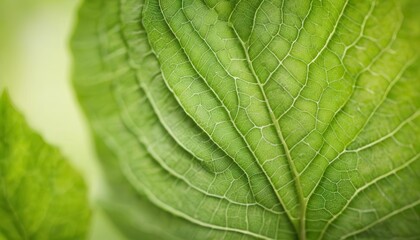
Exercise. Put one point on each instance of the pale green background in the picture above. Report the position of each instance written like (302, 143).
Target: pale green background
(35, 67)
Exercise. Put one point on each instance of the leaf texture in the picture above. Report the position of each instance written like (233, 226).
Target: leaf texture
(41, 195)
(256, 119)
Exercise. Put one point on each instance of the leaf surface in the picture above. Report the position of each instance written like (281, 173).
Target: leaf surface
(259, 119)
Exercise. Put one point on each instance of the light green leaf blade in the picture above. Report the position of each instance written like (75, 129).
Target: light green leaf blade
(42, 196)
(259, 117)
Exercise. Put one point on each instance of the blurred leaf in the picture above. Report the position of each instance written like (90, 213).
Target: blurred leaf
(41, 195)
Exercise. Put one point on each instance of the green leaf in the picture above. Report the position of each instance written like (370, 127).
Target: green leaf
(255, 119)
(41, 196)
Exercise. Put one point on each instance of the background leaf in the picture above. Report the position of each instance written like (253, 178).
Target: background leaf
(41, 196)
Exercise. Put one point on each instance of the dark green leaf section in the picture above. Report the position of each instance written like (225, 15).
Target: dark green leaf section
(41, 195)
(262, 119)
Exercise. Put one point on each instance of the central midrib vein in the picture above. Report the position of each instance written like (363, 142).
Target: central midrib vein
(302, 201)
